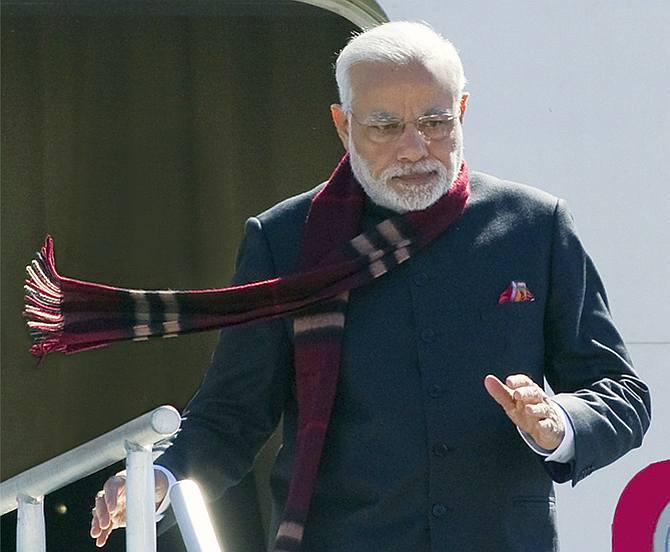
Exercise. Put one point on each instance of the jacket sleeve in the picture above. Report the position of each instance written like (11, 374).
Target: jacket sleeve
(241, 398)
(586, 361)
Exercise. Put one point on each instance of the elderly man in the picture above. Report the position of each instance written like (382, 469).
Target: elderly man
(429, 379)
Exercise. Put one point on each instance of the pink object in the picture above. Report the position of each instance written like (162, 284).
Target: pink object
(516, 292)
(639, 508)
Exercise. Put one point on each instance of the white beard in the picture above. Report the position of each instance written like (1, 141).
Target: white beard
(404, 197)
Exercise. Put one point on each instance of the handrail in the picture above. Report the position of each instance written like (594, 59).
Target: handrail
(193, 518)
(90, 457)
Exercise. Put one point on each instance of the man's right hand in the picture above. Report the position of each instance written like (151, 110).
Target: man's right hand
(109, 511)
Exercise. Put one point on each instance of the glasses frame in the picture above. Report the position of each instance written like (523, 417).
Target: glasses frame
(418, 122)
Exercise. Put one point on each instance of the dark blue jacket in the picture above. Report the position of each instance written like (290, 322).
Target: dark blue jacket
(418, 456)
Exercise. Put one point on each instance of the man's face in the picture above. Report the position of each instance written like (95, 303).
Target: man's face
(409, 172)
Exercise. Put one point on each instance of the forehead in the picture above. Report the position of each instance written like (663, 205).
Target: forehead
(404, 90)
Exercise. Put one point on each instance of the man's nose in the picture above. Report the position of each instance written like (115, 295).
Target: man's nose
(411, 144)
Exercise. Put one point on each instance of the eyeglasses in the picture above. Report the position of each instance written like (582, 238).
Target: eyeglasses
(432, 127)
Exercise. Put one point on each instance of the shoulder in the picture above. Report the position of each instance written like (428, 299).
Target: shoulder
(289, 210)
(505, 201)
(282, 226)
(502, 211)
(488, 189)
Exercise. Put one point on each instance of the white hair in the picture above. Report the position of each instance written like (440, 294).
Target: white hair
(400, 43)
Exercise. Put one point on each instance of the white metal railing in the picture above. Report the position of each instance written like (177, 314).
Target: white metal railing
(132, 441)
(192, 517)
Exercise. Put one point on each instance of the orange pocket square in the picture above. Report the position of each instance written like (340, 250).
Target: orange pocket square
(516, 292)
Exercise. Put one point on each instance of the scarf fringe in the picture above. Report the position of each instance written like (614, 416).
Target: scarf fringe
(43, 299)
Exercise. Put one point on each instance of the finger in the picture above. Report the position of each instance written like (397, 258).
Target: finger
(499, 391)
(119, 519)
(104, 533)
(102, 539)
(111, 490)
(104, 519)
(547, 427)
(540, 411)
(95, 526)
(529, 395)
(97, 533)
(518, 380)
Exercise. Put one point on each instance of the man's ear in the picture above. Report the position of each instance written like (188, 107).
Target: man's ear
(341, 122)
(463, 106)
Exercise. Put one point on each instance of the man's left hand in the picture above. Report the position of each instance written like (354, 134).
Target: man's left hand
(529, 407)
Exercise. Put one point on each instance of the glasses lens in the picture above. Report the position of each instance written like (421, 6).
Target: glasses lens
(435, 128)
(385, 133)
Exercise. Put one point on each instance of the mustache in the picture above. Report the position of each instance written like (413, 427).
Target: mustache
(420, 167)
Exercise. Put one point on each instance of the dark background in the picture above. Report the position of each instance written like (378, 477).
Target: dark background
(141, 135)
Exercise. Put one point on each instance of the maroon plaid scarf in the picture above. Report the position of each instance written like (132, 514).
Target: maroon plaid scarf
(69, 315)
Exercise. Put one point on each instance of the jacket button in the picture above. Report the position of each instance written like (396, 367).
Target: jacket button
(441, 449)
(435, 391)
(428, 335)
(439, 510)
(420, 279)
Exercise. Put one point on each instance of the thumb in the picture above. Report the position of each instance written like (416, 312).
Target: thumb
(502, 394)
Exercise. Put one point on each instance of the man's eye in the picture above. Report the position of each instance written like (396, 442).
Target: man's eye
(386, 128)
(433, 123)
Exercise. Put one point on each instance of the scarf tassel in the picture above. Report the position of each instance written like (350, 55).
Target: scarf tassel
(43, 301)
